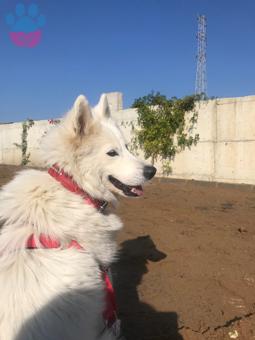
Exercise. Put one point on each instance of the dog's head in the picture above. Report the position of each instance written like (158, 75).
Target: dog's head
(91, 148)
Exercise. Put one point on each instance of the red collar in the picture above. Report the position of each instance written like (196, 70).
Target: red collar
(72, 186)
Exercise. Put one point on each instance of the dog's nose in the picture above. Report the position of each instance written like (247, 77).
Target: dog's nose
(149, 171)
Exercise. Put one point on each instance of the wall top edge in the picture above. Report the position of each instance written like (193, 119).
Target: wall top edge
(122, 113)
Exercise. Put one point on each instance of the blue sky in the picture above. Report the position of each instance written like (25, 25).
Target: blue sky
(132, 46)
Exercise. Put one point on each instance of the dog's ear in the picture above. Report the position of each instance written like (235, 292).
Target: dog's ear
(102, 109)
(81, 115)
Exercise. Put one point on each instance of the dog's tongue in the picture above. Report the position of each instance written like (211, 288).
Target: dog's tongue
(137, 190)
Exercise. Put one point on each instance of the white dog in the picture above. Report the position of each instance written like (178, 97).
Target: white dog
(56, 239)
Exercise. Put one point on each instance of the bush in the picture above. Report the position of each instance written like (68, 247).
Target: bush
(164, 127)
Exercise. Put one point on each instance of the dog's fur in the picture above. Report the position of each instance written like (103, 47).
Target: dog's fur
(58, 294)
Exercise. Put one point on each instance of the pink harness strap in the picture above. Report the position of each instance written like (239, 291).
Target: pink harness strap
(47, 242)
(110, 312)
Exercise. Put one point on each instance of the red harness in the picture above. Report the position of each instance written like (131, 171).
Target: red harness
(47, 242)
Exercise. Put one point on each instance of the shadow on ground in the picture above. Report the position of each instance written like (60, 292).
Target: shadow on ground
(139, 320)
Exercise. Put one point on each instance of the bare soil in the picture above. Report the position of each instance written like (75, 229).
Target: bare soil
(186, 267)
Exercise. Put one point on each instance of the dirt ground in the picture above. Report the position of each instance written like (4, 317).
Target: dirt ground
(186, 267)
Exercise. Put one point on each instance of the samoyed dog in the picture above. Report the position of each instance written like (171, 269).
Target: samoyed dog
(58, 239)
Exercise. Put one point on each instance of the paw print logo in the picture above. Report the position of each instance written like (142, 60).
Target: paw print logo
(25, 25)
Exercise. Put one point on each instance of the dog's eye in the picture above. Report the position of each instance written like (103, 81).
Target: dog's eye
(126, 145)
(112, 153)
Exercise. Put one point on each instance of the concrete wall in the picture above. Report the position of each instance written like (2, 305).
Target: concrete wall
(11, 134)
(225, 152)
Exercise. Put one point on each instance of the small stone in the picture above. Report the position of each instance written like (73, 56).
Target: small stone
(242, 230)
(233, 334)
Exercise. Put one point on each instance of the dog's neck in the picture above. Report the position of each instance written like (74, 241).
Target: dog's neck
(67, 182)
(35, 203)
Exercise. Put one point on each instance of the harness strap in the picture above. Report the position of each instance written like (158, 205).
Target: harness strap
(47, 242)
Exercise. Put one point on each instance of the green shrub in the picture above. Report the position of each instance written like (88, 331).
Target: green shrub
(164, 127)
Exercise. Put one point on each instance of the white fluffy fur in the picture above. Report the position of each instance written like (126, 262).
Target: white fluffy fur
(58, 294)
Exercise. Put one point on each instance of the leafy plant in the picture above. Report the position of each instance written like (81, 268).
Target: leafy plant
(26, 125)
(164, 127)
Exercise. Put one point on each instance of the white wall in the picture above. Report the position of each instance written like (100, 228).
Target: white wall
(226, 150)
(224, 153)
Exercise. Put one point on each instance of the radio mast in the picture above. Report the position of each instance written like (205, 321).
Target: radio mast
(201, 77)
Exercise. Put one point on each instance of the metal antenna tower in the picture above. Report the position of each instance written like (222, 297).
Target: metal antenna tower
(201, 79)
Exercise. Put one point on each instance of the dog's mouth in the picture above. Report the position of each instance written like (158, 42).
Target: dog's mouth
(128, 190)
